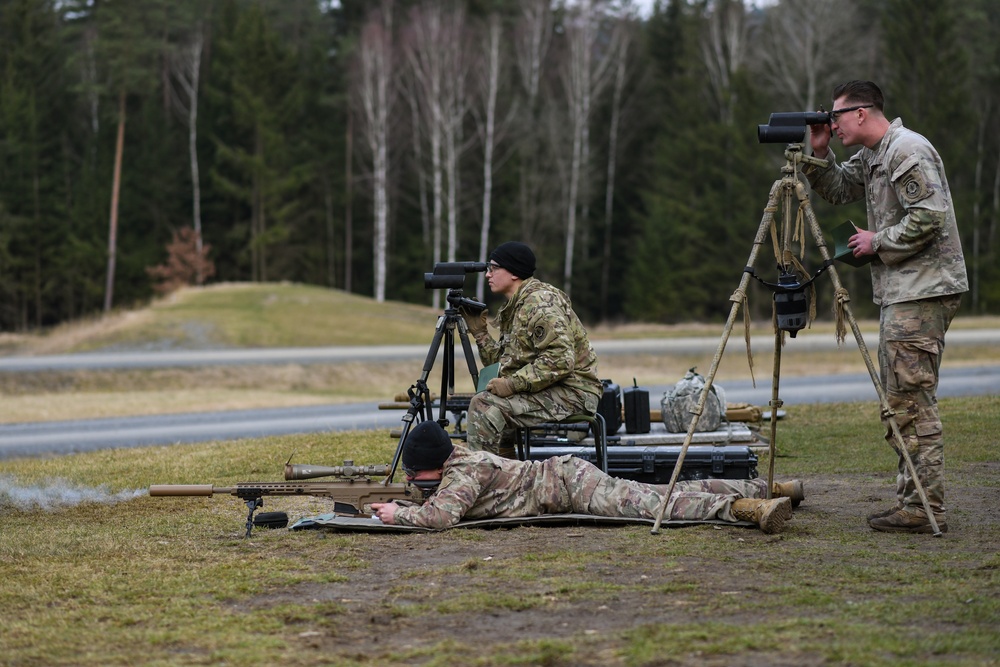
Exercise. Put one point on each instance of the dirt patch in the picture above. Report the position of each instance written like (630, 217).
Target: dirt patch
(587, 583)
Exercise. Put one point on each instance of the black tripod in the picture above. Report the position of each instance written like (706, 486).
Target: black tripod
(421, 406)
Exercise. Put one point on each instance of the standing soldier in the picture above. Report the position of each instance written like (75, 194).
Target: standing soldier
(479, 485)
(548, 369)
(918, 277)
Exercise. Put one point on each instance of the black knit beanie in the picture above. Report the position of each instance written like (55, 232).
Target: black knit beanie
(516, 258)
(427, 447)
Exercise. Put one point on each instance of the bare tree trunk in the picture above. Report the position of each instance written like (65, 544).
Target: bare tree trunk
(377, 94)
(425, 50)
(723, 52)
(583, 83)
(116, 184)
(533, 37)
(609, 192)
(492, 76)
(187, 73)
(455, 109)
(578, 92)
(349, 204)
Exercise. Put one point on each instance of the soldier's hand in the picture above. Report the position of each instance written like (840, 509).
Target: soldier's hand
(502, 387)
(385, 512)
(476, 322)
(819, 139)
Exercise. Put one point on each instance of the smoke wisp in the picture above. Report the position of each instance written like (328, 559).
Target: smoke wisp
(58, 493)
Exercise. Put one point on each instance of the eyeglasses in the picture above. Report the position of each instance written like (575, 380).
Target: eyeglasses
(409, 472)
(492, 266)
(835, 114)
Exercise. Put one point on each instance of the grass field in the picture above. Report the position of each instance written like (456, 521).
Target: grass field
(94, 572)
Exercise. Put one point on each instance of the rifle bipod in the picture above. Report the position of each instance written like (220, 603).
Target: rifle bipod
(254, 500)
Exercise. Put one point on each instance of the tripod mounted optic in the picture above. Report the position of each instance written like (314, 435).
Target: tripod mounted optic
(451, 275)
(790, 127)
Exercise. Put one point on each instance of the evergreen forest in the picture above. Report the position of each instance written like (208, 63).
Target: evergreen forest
(354, 144)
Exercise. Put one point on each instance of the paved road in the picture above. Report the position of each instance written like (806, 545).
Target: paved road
(805, 340)
(85, 435)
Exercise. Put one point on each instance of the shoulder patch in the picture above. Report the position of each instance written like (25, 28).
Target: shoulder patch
(913, 186)
(539, 332)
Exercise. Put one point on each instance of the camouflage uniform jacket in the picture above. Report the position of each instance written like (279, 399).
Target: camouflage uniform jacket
(542, 342)
(479, 485)
(910, 210)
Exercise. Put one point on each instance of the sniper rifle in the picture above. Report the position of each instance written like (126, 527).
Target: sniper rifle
(353, 490)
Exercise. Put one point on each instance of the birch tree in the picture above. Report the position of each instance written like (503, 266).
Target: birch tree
(804, 47)
(532, 40)
(490, 70)
(724, 50)
(438, 54)
(186, 71)
(583, 78)
(377, 95)
(426, 70)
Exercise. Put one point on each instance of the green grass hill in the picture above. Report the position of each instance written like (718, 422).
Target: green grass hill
(239, 315)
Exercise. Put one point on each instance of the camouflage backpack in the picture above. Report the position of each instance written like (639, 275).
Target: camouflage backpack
(678, 403)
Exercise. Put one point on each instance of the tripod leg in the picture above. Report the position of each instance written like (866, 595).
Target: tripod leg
(844, 301)
(420, 399)
(470, 359)
(775, 404)
(738, 297)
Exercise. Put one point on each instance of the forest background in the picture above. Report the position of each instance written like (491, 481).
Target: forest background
(354, 144)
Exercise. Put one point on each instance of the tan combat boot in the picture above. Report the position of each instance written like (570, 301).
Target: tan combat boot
(769, 515)
(792, 490)
(905, 521)
(884, 513)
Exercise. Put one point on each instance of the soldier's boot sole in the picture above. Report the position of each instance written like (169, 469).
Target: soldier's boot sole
(793, 490)
(769, 515)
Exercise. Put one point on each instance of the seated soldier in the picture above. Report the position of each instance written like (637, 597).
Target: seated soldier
(480, 485)
(548, 369)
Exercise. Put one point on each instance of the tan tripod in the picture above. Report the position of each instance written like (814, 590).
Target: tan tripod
(784, 189)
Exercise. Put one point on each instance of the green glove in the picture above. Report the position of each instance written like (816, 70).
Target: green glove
(475, 322)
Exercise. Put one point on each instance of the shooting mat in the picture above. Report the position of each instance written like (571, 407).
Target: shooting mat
(342, 523)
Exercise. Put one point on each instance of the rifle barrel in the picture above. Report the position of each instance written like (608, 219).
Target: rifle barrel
(184, 490)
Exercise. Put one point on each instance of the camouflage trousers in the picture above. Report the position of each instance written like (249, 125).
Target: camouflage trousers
(492, 421)
(911, 343)
(597, 493)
